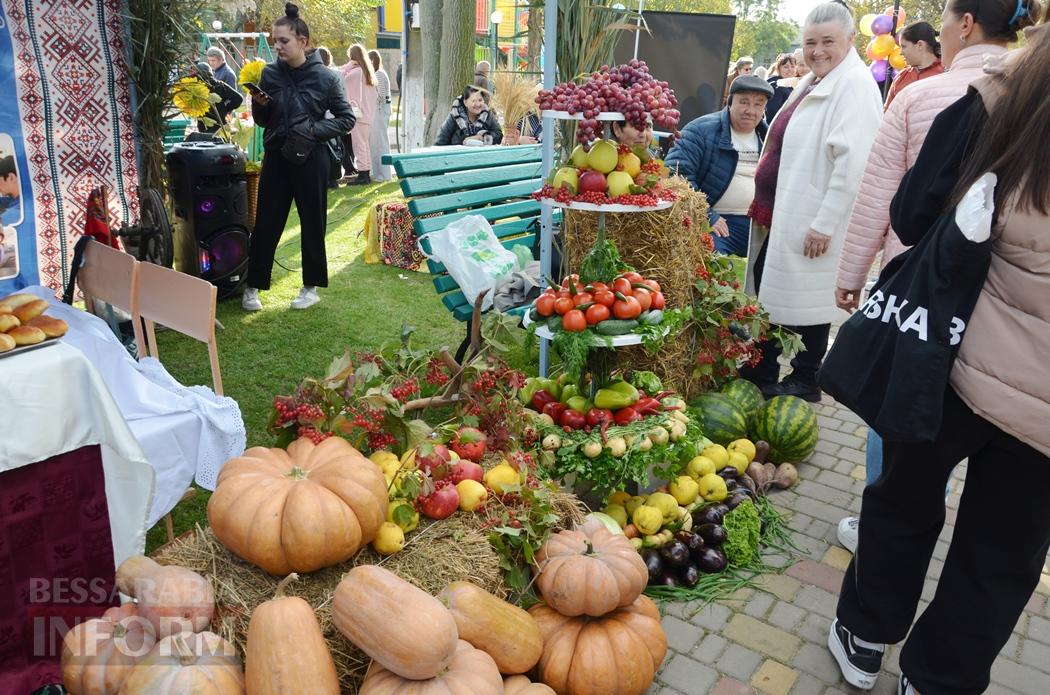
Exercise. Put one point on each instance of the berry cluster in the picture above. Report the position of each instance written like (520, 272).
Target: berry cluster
(642, 200)
(436, 375)
(288, 411)
(404, 391)
(380, 440)
(313, 434)
(628, 89)
(651, 167)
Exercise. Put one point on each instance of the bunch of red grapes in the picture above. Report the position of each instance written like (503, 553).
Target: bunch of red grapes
(628, 89)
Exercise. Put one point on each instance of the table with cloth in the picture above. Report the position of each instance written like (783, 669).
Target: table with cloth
(95, 448)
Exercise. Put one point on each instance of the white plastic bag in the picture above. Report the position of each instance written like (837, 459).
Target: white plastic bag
(472, 255)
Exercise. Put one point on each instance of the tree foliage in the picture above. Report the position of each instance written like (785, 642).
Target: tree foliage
(337, 23)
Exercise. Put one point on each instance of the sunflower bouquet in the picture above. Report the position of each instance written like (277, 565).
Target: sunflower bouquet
(192, 97)
(251, 72)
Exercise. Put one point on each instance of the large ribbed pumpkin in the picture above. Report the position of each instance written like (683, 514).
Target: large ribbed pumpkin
(503, 631)
(299, 510)
(521, 685)
(589, 571)
(471, 672)
(174, 599)
(98, 655)
(202, 664)
(617, 654)
(286, 652)
(405, 629)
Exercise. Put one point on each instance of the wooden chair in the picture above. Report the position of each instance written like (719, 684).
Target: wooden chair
(111, 276)
(185, 304)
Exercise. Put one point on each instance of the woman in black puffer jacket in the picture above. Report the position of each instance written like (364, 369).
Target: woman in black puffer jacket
(295, 92)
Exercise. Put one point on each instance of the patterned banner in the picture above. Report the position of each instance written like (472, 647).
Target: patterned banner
(65, 109)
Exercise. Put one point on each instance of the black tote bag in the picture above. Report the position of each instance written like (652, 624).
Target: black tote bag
(893, 357)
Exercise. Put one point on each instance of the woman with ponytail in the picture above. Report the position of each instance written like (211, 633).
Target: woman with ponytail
(921, 49)
(359, 81)
(291, 101)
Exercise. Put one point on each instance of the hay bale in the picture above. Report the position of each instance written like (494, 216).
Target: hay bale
(437, 553)
(663, 246)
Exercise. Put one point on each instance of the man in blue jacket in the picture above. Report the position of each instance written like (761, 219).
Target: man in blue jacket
(718, 154)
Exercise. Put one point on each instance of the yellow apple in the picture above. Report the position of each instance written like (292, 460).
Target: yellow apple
(579, 157)
(713, 488)
(500, 477)
(567, 177)
(618, 513)
(631, 164)
(738, 461)
(684, 489)
(603, 156)
(745, 447)
(619, 183)
(471, 494)
(718, 454)
(700, 466)
(390, 539)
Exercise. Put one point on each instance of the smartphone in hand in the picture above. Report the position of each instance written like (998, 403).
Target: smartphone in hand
(257, 94)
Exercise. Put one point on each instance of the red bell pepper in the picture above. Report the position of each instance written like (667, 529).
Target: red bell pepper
(626, 415)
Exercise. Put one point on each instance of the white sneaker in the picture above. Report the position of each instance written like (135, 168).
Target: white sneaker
(306, 299)
(848, 531)
(250, 299)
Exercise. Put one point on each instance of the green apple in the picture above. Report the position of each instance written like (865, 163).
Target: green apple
(603, 156)
(619, 183)
(568, 178)
(579, 157)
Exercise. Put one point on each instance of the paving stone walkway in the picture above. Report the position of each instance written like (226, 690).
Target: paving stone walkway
(773, 641)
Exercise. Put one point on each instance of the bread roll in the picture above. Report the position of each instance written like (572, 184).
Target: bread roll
(27, 335)
(6, 342)
(52, 327)
(8, 321)
(30, 310)
(13, 301)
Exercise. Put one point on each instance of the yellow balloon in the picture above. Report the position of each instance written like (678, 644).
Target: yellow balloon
(883, 46)
(870, 50)
(897, 61)
(865, 24)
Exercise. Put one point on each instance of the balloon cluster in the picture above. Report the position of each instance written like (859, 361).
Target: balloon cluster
(884, 49)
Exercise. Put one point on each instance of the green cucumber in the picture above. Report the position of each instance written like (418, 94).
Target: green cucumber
(615, 326)
(554, 323)
(652, 318)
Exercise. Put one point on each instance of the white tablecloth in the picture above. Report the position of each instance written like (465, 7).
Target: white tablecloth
(55, 402)
(187, 433)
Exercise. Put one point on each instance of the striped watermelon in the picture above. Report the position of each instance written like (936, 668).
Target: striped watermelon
(720, 417)
(746, 394)
(789, 425)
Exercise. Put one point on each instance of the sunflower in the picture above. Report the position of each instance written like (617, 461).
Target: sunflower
(252, 72)
(191, 97)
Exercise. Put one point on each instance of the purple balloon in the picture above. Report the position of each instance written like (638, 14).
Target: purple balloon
(883, 24)
(878, 70)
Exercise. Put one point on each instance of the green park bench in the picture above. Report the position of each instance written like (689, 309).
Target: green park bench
(443, 184)
(174, 132)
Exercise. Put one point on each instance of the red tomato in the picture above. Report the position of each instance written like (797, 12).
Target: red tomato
(627, 308)
(623, 286)
(595, 286)
(574, 321)
(658, 300)
(604, 297)
(550, 291)
(653, 283)
(583, 298)
(644, 297)
(632, 276)
(597, 313)
(570, 280)
(563, 305)
(545, 304)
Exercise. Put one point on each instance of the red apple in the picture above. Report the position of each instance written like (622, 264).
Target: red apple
(433, 459)
(469, 443)
(466, 470)
(441, 503)
(592, 181)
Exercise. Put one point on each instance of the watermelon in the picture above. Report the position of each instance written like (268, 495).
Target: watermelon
(746, 394)
(789, 425)
(721, 419)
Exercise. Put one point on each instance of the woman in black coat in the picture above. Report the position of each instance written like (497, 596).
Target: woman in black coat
(293, 95)
(470, 121)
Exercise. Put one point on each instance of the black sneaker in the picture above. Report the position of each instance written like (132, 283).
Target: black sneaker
(860, 666)
(793, 385)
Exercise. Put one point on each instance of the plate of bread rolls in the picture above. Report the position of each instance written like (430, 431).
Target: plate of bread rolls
(25, 326)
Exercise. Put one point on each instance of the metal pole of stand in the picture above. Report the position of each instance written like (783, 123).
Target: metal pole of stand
(550, 56)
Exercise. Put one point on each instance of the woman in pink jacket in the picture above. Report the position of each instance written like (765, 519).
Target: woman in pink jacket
(359, 81)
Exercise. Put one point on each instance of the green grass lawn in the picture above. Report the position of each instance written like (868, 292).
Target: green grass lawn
(266, 353)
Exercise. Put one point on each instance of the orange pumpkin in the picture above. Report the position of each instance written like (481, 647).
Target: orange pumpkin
(286, 652)
(98, 655)
(202, 663)
(405, 629)
(589, 572)
(299, 510)
(470, 671)
(503, 631)
(616, 654)
(174, 599)
(521, 685)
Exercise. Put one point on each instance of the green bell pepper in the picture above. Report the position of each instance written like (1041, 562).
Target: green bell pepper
(577, 403)
(611, 399)
(551, 386)
(532, 385)
(626, 389)
(569, 391)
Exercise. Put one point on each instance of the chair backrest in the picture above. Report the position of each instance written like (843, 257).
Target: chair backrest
(111, 276)
(183, 303)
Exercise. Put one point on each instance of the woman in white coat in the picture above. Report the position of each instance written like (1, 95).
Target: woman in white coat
(804, 189)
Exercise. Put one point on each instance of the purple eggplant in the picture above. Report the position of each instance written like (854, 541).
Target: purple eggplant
(692, 541)
(711, 560)
(674, 554)
(713, 534)
(732, 485)
(689, 575)
(735, 499)
(653, 562)
(667, 578)
(728, 473)
(712, 514)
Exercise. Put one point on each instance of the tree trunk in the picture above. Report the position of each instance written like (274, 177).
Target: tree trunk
(431, 33)
(535, 37)
(457, 59)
